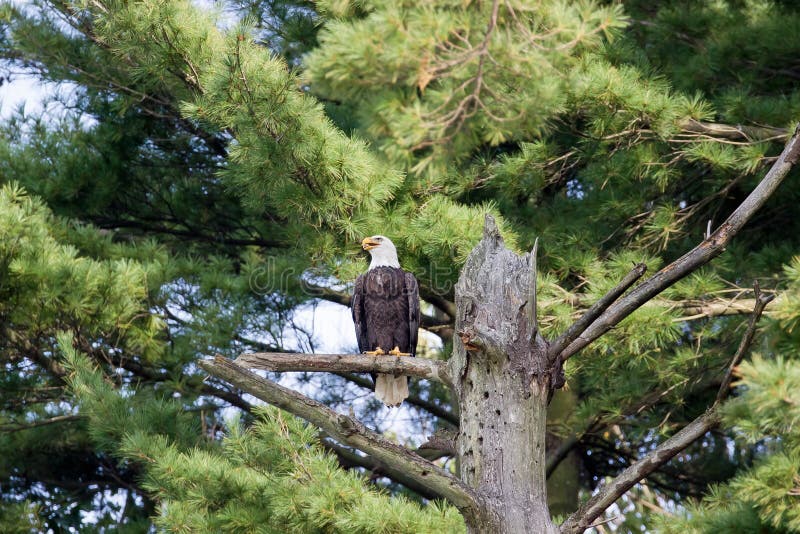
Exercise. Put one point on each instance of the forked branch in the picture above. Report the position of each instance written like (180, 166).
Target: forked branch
(708, 249)
(594, 507)
(351, 432)
(346, 363)
(579, 326)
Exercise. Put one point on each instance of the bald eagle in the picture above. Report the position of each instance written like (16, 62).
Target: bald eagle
(386, 314)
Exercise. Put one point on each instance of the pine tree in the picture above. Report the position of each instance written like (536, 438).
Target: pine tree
(196, 192)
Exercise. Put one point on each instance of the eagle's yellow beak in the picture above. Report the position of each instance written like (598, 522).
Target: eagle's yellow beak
(367, 243)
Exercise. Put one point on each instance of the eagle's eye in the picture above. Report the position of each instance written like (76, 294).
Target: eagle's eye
(378, 239)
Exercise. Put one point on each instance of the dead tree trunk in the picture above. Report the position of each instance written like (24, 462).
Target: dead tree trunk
(501, 375)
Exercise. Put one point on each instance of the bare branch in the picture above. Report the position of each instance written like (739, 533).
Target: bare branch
(349, 459)
(353, 363)
(441, 443)
(592, 509)
(229, 396)
(737, 132)
(40, 422)
(351, 432)
(761, 303)
(700, 309)
(597, 309)
(710, 248)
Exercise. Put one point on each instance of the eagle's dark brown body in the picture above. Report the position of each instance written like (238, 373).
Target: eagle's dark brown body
(386, 315)
(386, 310)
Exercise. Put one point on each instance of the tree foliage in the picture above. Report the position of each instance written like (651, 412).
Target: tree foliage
(206, 172)
(266, 478)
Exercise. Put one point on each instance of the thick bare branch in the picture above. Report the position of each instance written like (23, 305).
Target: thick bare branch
(344, 363)
(351, 432)
(592, 509)
(761, 303)
(579, 326)
(708, 249)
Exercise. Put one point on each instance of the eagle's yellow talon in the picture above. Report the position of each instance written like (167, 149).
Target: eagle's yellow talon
(377, 352)
(396, 352)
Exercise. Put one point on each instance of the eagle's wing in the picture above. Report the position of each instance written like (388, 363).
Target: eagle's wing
(357, 307)
(412, 290)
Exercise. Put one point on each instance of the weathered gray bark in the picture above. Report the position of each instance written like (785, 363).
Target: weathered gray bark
(331, 363)
(501, 376)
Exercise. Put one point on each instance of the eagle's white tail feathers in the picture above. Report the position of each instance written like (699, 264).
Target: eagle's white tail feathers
(391, 390)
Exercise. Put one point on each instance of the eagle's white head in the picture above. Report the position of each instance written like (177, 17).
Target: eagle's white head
(382, 250)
